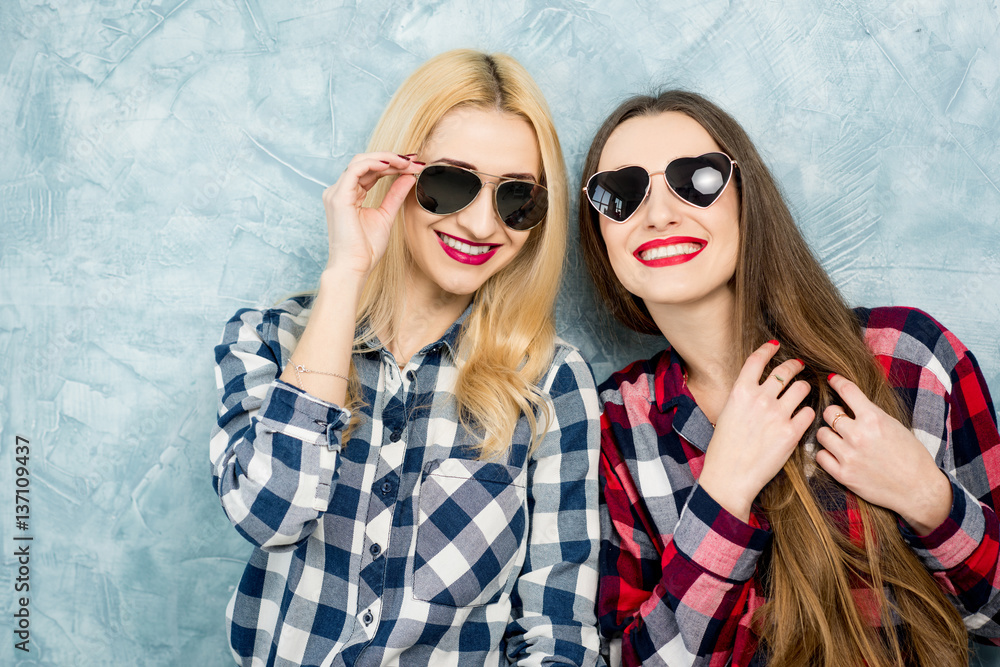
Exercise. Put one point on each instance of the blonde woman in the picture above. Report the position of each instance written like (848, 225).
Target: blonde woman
(411, 451)
(789, 482)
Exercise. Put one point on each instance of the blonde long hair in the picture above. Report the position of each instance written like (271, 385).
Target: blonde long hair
(812, 617)
(507, 341)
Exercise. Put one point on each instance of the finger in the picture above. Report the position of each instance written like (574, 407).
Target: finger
(830, 440)
(803, 419)
(359, 177)
(829, 463)
(794, 395)
(393, 159)
(409, 166)
(396, 195)
(783, 373)
(850, 392)
(368, 165)
(362, 171)
(837, 419)
(753, 367)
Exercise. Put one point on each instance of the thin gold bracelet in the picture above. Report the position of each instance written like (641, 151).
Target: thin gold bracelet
(300, 369)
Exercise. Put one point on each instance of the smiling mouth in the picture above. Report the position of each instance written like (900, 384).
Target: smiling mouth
(674, 250)
(466, 248)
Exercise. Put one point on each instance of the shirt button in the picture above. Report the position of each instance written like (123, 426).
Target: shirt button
(368, 618)
(411, 376)
(394, 436)
(375, 550)
(386, 488)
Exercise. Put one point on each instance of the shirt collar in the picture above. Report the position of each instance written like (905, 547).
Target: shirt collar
(671, 393)
(448, 340)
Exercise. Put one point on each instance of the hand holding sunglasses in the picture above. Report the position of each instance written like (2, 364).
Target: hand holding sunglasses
(443, 189)
(358, 234)
(698, 181)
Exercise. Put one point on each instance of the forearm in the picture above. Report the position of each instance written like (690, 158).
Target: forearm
(327, 342)
(962, 554)
(681, 606)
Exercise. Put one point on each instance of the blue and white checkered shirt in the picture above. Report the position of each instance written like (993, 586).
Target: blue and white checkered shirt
(400, 546)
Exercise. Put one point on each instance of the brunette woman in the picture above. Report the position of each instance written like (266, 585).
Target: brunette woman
(411, 451)
(790, 482)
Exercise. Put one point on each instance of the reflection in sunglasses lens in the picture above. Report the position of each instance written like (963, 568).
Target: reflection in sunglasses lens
(445, 189)
(699, 180)
(617, 194)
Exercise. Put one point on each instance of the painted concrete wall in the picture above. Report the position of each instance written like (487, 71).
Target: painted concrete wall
(162, 167)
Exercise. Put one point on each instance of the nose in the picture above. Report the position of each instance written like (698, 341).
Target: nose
(479, 218)
(661, 204)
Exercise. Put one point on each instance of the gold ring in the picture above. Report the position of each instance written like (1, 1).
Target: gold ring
(780, 381)
(833, 424)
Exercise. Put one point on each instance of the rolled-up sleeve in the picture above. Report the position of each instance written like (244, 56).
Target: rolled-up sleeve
(274, 449)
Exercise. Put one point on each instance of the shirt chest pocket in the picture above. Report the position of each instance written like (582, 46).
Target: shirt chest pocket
(472, 521)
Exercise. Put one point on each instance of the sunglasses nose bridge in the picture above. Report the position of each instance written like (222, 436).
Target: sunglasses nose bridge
(661, 201)
(480, 216)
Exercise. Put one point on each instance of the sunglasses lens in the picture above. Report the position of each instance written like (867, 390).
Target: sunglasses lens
(521, 204)
(699, 180)
(617, 194)
(443, 189)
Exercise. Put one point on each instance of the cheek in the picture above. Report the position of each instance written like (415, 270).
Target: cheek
(518, 241)
(615, 240)
(415, 219)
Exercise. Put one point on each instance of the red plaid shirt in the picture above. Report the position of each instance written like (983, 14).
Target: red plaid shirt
(679, 580)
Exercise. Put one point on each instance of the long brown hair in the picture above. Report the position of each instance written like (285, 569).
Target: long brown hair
(782, 292)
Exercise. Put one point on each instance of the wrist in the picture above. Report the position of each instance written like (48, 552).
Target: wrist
(727, 495)
(342, 282)
(930, 505)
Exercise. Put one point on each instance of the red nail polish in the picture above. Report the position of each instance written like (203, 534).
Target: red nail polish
(773, 342)
(830, 376)
(383, 162)
(422, 164)
(801, 362)
(405, 157)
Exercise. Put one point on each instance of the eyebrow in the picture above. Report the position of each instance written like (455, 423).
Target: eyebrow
(465, 165)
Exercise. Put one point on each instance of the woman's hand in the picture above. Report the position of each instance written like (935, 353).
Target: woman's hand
(881, 460)
(359, 235)
(758, 429)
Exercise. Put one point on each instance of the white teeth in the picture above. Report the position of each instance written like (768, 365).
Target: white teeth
(662, 251)
(464, 247)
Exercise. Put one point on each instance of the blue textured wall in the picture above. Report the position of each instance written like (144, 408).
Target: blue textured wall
(162, 167)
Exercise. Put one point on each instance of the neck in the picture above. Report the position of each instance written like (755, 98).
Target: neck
(425, 316)
(702, 334)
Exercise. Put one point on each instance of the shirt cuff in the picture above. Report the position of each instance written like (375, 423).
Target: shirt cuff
(717, 541)
(288, 410)
(956, 538)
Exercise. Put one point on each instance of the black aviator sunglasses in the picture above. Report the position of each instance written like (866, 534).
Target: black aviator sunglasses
(444, 189)
(699, 181)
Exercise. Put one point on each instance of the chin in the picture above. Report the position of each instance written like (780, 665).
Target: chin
(460, 287)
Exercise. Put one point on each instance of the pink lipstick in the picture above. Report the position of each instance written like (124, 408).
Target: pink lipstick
(460, 254)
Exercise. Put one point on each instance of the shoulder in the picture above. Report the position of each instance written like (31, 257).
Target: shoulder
(277, 328)
(910, 335)
(568, 372)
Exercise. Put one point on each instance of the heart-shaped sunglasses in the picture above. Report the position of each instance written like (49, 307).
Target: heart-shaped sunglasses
(699, 181)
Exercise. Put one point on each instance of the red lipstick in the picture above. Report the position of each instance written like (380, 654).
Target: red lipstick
(675, 259)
